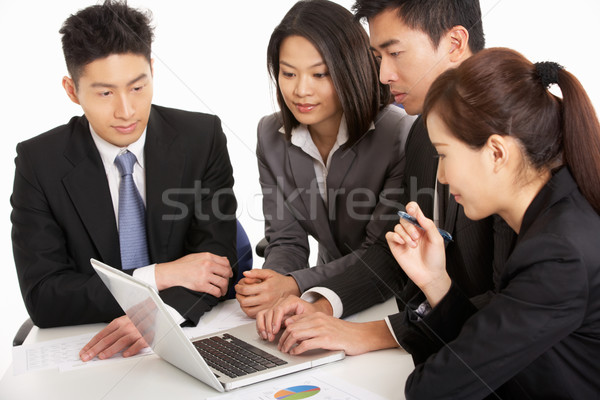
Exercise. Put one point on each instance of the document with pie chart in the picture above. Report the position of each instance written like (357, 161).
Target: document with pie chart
(304, 385)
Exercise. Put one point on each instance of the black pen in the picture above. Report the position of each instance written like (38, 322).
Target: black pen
(447, 236)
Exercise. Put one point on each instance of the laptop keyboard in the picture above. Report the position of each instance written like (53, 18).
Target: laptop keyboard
(234, 357)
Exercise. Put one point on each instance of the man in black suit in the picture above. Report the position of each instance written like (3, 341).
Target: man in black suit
(66, 190)
(413, 51)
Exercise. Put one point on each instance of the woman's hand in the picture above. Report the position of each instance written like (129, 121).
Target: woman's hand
(261, 289)
(421, 254)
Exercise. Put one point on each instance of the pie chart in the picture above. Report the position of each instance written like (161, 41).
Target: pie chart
(297, 392)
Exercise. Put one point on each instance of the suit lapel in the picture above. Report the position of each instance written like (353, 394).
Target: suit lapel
(341, 162)
(421, 168)
(164, 164)
(303, 170)
(88, 189)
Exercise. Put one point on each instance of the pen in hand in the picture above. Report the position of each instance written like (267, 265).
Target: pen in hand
(447, 236)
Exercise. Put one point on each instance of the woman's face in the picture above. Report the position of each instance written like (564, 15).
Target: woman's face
(306, 85)
(468, 172)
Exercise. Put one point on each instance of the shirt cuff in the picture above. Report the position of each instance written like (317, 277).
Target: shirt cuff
(312, 295)
(389, 325)
(176, 316)
(146, 274)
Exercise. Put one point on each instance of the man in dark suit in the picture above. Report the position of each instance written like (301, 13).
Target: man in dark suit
(413, 51)
(66, 197)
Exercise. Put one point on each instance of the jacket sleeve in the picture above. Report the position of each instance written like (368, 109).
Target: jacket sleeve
(372, 279)
(288, 247)
(56, 290)
(213, 227)
(475, 353)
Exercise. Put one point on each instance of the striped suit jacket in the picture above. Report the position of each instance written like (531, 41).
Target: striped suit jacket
(478, 249)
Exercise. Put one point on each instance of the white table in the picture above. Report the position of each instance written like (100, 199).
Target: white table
(383, 372)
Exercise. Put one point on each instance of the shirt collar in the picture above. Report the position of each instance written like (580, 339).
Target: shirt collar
(301, 135)
(108, 151)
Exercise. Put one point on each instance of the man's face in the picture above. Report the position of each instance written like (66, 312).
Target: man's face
(409, 63)
(116, 94)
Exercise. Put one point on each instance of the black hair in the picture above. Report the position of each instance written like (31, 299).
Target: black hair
(98, 31)
(344, 45)
(433, 17)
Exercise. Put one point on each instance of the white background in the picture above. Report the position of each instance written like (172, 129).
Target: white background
(210, 57)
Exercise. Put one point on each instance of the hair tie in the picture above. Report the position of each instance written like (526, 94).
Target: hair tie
(548, 72)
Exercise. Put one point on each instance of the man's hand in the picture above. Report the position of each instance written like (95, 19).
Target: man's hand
(260, 289)
(270, 321)
(201, 272)
(118, 335)
(319, 331)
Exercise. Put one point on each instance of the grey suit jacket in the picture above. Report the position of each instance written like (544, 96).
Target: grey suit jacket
(363, 191)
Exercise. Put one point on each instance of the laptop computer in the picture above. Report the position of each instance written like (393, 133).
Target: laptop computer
(223, 360)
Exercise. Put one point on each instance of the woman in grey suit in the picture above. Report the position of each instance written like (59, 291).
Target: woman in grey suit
(331, 161)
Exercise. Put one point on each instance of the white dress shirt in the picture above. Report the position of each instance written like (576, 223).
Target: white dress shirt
(301, 138)
(108, 153)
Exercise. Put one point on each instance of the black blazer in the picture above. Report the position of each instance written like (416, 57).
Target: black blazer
(63, 214)
(539, 336)
(478, 247)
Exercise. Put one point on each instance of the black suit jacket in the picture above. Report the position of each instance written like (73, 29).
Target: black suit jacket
(477, 250)
(63, 214)
(539, 336)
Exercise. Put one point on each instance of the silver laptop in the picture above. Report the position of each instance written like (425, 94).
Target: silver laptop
(224, 360)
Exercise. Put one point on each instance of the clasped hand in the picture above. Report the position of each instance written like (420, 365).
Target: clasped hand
(261, 289)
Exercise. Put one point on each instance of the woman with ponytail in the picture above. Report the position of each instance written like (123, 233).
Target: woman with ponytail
(508, 146)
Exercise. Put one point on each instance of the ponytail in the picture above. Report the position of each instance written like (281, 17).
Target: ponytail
(581, 137)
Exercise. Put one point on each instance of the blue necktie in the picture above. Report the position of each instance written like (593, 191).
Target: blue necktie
(132, 217)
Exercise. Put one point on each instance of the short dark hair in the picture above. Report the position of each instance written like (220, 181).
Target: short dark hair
(344, 46)
(98, 31)
(434, 17)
